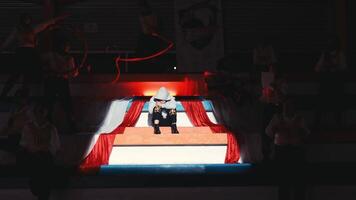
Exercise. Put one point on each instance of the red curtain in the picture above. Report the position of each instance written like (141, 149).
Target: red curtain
(102, 149)
(197, 115)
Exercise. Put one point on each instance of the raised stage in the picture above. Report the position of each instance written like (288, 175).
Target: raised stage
(136, 145)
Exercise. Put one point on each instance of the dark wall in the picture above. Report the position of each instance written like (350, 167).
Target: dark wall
(297, 29)
(294, 26)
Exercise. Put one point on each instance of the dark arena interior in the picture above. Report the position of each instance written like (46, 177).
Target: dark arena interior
(177, 99)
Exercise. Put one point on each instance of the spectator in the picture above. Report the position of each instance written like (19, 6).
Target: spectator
(60, 66)
(148, 19)
(288, 132)
(264, 57)
(19, 117)
(332, 59)
(148, 42)
(330, 66)
(39, 144)
(264, 61)
(28, 65)
(272, 98)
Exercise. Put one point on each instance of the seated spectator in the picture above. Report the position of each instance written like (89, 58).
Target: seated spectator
(39, 144)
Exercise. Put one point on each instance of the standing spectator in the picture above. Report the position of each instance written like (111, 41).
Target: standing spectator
(272, 98)
(39, 144)
(330, 66)
(148, 42)
(332, 59)
(60, 66)
(148, 19)
(288, 132)
(19, 117)
(27, 60)
(264, 57)
(264, 63)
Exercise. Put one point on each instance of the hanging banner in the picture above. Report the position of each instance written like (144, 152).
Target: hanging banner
(199, 35)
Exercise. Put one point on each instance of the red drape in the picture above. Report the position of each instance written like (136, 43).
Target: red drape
(101, 151)
(197, 115)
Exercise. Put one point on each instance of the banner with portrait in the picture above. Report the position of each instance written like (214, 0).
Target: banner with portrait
(199, 35)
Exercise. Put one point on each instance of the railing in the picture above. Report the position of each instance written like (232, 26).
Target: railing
(122, 53)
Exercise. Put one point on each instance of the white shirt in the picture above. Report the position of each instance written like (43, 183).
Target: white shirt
(19, 118)
(60, 65)
(287, 131)
(40, 137)
(264, 56)
(337, 60)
